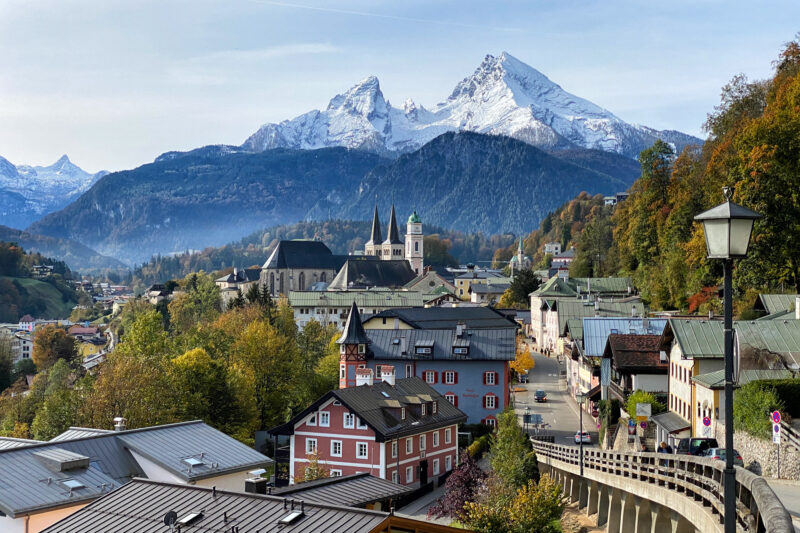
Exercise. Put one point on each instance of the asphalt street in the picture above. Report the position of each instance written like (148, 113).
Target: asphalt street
(559, 412)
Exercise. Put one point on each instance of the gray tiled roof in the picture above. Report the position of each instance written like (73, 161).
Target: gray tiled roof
(495, 344)
(304, 254)
(363, 272)
(27, 483)
(354, 491)
(371, 403)
(449, 317)
(140, 506)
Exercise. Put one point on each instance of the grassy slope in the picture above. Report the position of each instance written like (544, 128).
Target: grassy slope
(56, 307)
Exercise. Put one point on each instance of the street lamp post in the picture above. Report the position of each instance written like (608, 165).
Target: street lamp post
(581, 397)
(727, 229)
(527, 417)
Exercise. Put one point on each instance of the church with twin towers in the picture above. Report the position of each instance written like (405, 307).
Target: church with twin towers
(393, 246)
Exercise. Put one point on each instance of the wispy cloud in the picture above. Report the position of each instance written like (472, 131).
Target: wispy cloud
(220, 67)
(441, 22)
(261, 54)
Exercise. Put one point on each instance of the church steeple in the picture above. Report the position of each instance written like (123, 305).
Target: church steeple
(375, 236)
(375, 242)
(393, 247)
(394, 234)
(352, 349)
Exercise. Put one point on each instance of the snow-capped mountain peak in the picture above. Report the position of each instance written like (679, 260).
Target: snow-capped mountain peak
(44, 188)
(504, 96)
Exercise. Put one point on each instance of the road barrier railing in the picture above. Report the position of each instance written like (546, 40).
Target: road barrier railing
(698, 478)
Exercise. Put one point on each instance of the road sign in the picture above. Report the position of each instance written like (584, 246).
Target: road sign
(776, 433)
(643, 425)
(706, 421)
(776, 417)
(631, 423)
(644, 409)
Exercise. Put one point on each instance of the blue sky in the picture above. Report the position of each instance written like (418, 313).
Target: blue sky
(114, 84)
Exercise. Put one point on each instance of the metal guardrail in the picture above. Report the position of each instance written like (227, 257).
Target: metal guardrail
(699, 478)
(790, 436)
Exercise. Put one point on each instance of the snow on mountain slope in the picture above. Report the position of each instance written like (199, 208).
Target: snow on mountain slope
(504, 96)
(44, 188)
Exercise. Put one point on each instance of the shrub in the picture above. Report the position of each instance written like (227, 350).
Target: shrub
(752, 405)
(640, 396)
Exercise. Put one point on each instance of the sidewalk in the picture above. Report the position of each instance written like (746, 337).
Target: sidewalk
(418, 509)
(789, 493)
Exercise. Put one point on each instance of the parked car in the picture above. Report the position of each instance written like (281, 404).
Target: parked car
(583, 436)
(540, 396)
(719, 454)
(696, 445)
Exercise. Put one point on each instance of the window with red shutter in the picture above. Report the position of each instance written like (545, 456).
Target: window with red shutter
(456, 377)
(484, 378)
(435, 377)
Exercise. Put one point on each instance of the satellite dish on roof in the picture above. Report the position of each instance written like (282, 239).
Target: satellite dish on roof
(170, 518)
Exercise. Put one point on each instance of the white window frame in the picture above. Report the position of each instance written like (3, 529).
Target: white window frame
(409, 474)
(436, 467)
(450, 398)
(424, 409)
(490, 398)
(402, 413)
(423, 441)
(491, 378)
(394, 476)
(342, 371)
(435, 439)
(409, 445)
(336, 473)
(491, 422)
(448, 437)
(449, 377)
(394, 449)
(324, 419)
(430, 377)
(348, 420)
(334, 444)
(359, 445)
(312, 420)
(434, 407)
(448, 463)
(360, 424)
(409, 370)
(311, 445)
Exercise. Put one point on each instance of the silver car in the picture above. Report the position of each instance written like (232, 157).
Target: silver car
(719, 454)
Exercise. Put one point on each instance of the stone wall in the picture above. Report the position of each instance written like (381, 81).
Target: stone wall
(761, 456)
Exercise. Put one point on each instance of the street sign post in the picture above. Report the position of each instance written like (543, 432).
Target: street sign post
(776, 438)
(706, 421)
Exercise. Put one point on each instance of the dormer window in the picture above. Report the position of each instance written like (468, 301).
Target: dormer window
(423, 350)
(460, 350)
(402, 413)
(362, 348)
(434, 407)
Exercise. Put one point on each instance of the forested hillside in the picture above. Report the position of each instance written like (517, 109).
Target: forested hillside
(753, 146)
(20, 294)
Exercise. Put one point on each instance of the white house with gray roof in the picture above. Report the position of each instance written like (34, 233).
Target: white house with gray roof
(43, 482)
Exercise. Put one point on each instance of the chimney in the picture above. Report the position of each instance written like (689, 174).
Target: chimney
(119, 424)
(388, 375)
(363, 376)
(797, 307)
